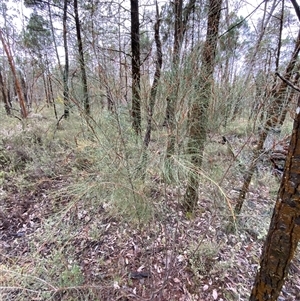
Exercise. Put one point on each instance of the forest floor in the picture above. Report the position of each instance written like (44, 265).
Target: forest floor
(77, 223)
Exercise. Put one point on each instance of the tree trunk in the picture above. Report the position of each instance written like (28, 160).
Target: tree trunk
(66, 69)
(53, 36)
(180, 26)
(156, 79)
(4, 96)
(135, 61)
(273, 121)
(198, 110)
(153, 93)
(18, 86)
(86, 101)
(284, 232)
(264, 23)
(171, 99)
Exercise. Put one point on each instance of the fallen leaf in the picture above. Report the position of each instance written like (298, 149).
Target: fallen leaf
(215, 294)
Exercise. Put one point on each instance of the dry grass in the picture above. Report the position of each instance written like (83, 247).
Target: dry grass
(77, 224)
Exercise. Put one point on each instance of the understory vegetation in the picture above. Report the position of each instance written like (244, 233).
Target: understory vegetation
(79, 222)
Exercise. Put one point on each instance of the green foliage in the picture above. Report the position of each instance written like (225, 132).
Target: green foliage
(230, 41)
(37, 36)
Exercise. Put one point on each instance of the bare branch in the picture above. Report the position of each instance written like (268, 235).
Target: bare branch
(287, 82)
(297, 9)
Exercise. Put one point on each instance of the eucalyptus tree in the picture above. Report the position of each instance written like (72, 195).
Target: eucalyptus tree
(233, 41)
(7, 104)
(181, 20)
(135, 66)
(66, 68)
(277, 96)
(9, 38)
(14, 71)
(86, 101)
(284, 231)
(198, 112)
(37, 40)
(5, 90)
(61, 9)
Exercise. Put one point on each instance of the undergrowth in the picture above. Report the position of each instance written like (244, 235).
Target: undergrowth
(78, 223)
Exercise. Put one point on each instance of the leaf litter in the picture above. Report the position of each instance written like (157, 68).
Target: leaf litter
(97, 255)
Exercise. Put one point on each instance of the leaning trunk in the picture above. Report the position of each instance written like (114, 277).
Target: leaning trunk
(284, 232)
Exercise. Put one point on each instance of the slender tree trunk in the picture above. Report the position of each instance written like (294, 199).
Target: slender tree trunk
(51, 92)
(296, 7)
(198, 110)
(273, 121)
(18, 86)
(135, 61)
(290, 99)
(182, 16)
(86, 101)
(264, 23)
(4, 96)
(172, 98)
(44, 77)
(284, 232)
(53, 36)
(180, 26)
(156, 79)
(66, 69)
(153, 92)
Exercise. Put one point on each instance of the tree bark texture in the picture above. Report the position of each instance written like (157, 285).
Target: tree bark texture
(284, 231)
(86, 101)
(198, 111)
(135, 61)
(18, 86)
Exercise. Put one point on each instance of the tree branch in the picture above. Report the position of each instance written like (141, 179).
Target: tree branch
(287, 82)
(297, 9)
